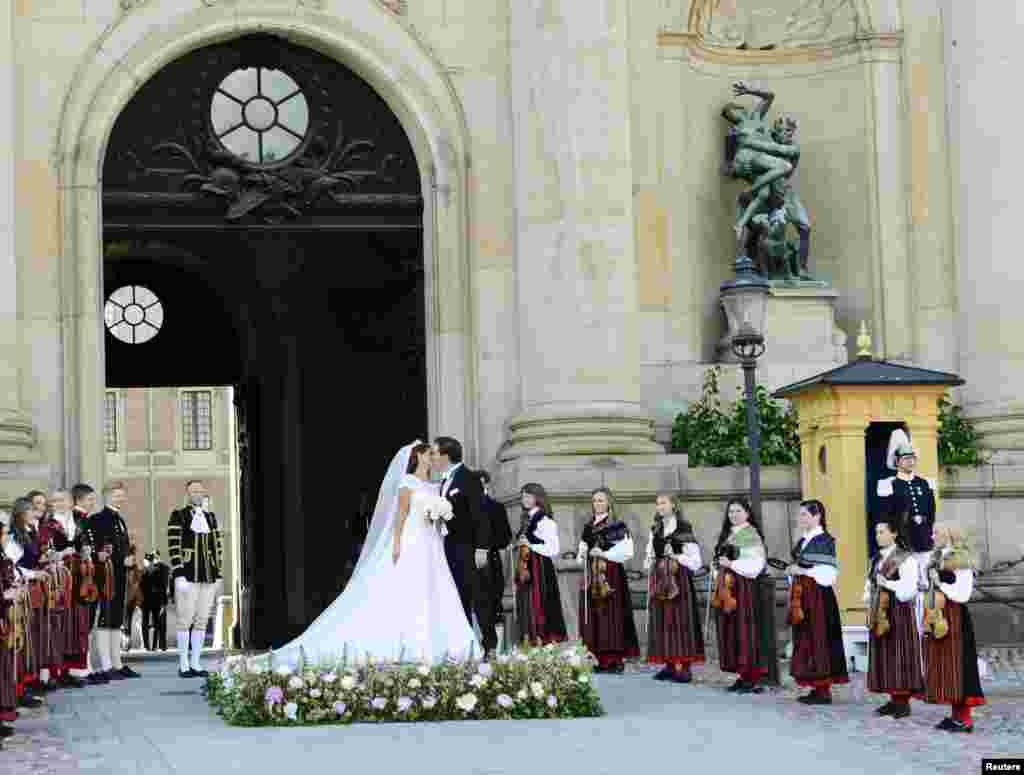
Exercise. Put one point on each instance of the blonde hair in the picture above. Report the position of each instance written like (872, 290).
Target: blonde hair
(960, 543)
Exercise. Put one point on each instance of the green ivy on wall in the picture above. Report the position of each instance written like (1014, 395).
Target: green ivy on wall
(959, 443)
(714, 432)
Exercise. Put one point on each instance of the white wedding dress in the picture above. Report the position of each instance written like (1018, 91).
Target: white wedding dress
(409, 610)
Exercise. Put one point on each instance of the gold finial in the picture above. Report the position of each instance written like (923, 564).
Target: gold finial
(864, 341)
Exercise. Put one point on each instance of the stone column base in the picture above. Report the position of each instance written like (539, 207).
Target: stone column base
(17, 436)
(591, 428)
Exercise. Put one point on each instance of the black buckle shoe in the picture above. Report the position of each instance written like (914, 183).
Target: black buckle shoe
(885, 710)
(97, 679)
(28, 701)
(127, 672)
(815, 699)
(190, 673)
(664, 675)
(114, 675)
(959, 726)
(945, 725)
(5, 731)
(901, 711)
(682, 678)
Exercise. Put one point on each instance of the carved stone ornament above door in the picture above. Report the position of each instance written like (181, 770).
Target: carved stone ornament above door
(258, 129)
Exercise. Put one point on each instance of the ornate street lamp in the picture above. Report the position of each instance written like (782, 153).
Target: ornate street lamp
(745, 299)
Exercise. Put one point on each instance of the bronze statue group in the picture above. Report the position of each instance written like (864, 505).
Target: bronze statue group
(918, 585)
(68, 580)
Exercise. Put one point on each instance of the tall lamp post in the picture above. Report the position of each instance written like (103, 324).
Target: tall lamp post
(745, 299)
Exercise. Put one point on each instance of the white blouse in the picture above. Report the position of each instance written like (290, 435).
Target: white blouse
(547, 532)
(620, 553)
(751, 561)
(962, 588)
(690, 557)
(823, 575)
(905, 587)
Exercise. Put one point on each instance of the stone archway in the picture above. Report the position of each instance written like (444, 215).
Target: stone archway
(363, 36)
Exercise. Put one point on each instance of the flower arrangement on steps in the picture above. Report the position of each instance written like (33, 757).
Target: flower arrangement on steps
(545, 682)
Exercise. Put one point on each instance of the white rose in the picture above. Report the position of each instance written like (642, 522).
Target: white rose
(348, 683)
(423, 670)
(291, 710)
(466, 702)
(339, 708)
(522, 694)
(329, 678)
(379, 703)
(552, 702)
(584, 679)
(477, 681)
(428, 702)
(415, 683)
(505, 701)
(404, 703)
(295, 682)
(485, 670)
(537, 689)
(315, 694)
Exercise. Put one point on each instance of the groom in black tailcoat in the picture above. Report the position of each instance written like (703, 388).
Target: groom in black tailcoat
(469, 531)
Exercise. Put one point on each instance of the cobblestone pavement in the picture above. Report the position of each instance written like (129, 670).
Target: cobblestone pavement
(144, 720)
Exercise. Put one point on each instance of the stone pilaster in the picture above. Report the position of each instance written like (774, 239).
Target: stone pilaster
(982, 44)
(576, 260)
(17, 435)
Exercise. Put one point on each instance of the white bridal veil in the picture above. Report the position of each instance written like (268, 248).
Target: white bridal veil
(311, 641)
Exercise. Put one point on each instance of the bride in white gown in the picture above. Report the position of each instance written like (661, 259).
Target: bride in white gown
(401, 602)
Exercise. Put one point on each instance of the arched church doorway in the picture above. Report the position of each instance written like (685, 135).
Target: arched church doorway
(271, 202)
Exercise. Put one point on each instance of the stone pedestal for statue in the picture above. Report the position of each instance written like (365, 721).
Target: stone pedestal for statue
(801, 336)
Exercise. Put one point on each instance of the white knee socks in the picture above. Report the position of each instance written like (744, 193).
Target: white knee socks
(101, 650)
(115, 649)
(198, 638)
(183, 651)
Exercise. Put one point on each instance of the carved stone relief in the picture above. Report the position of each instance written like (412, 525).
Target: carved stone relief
(769, 24)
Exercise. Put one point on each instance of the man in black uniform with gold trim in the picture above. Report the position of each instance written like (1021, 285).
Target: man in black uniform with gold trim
(196, 551)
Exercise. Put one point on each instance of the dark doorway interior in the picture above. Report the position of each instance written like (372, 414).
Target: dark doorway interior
(876, 446)
(293, 272)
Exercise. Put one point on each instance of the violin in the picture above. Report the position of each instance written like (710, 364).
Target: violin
(881, 601)
(725, 597)
(935, 624)
(796, 609)
(523, 564)
(88, 592)
(134, 598)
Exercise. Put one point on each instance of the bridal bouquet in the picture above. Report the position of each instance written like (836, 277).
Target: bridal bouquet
(438, 511)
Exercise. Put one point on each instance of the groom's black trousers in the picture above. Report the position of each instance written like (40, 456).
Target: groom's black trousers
(474, 590)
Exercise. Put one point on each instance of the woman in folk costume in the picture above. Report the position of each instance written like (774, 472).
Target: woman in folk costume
(10, 590)
(606, 605)
(894, 647)
(745, 632)
(539, 617)
(60, 531)
(673, 556)
(950, 654)
(23, 551)
(819, 660)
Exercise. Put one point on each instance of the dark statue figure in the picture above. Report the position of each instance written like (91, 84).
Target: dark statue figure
(766, 158)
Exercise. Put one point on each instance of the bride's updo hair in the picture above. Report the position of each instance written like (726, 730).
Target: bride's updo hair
(414, 457)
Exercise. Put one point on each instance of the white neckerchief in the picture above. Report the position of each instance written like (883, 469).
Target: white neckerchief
(13, 549)
(886, 552)
(668, 525)
(737, 528)
(67, 521)
(199, 522)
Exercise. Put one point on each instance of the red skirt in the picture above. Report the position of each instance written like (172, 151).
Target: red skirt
(539, 615)
(8, 685)
(40, 657)
(951, 663)
(819, 659)
(607, 626)
(894, 660)
(673, 630)
(741, 633)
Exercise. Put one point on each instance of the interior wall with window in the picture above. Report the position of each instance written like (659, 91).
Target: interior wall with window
(157, 439)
